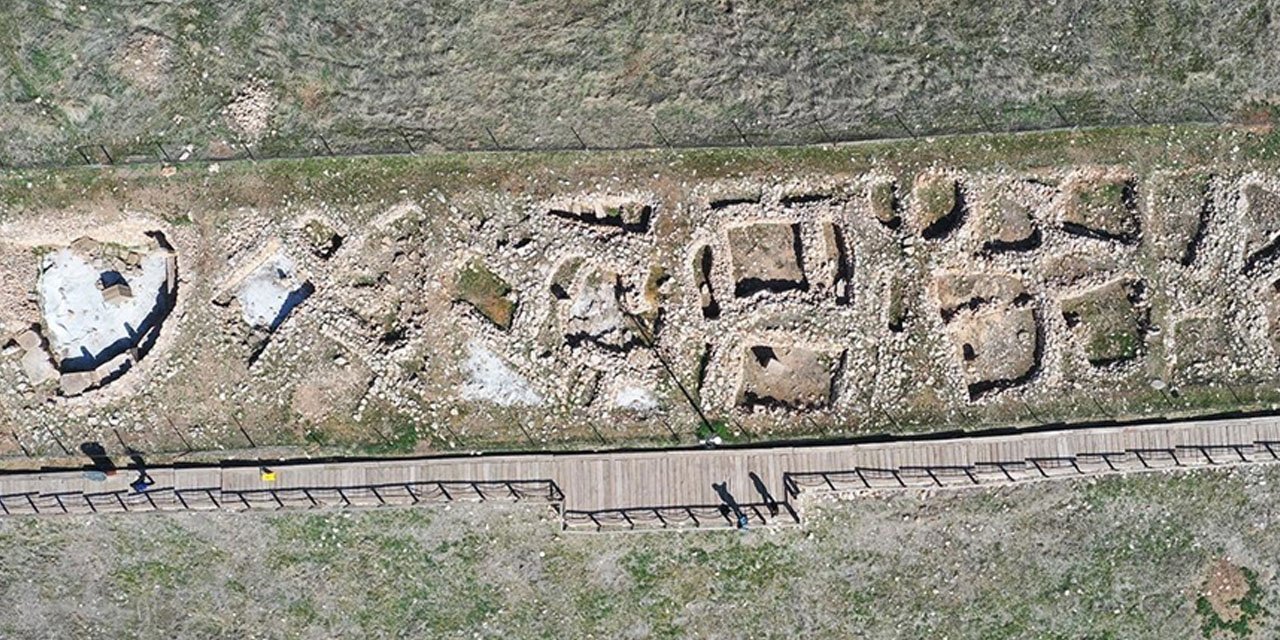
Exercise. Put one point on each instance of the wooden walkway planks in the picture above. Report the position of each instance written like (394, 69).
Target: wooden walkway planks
(605, 481)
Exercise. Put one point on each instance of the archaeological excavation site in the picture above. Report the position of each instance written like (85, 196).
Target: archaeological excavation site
(101, 307)
(640, 299)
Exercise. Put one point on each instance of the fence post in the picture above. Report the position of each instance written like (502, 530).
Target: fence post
(456, 440)
(904, 126)
(661, 137)
(244, 433)
(1212, 115)
(407, 142)
(592, 424)
(25, 451)
(983, 120)
(580, 141)
(825, 136)
(58, 440)
(1136, 114)
(178, 433)
(1060, 116)
(493, 138)
(526, 434)
(741, 135)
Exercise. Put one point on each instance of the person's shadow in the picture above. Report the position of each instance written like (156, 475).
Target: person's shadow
(144, 480)
(763, 490)
(98, 456)
(730, 504)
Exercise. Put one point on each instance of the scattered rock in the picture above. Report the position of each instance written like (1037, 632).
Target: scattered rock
(250, 110)
(1178, 205)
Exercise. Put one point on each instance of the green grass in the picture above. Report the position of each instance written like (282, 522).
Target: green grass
(405, 569)
(1116, 557)
(614, 72)
(715, 428)
(161, 559)
(402, 439)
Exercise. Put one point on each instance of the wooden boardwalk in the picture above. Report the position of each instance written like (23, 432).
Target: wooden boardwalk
(659, 488)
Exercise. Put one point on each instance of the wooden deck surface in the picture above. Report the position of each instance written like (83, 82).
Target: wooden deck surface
(592, 482)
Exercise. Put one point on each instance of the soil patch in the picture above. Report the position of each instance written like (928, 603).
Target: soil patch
(1109, 320)
(145, 60)
(788, 376)
(766, 257)
(1102, 207)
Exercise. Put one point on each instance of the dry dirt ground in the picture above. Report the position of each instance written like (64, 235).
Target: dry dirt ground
(1148, 556)
(551, 300)
(204, 76)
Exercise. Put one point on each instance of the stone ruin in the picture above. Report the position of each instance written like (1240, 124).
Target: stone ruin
(836, 295)
(102, 307)
(788, 376)
(993, 327)
(766, 257)
(265, 290)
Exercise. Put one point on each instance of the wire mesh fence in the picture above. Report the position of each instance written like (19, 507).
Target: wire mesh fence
(938, 118)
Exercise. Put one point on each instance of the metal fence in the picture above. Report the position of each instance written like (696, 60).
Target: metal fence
(211, 498)
(1009, 471)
